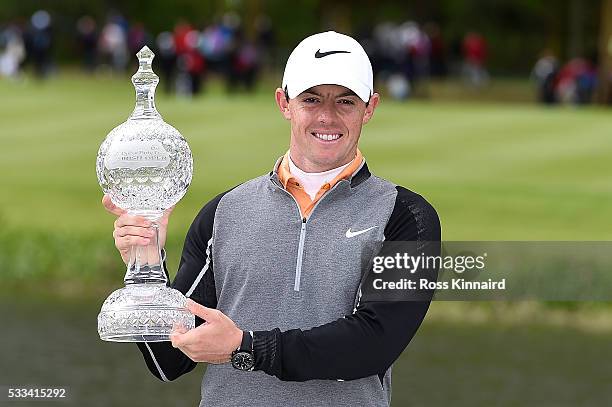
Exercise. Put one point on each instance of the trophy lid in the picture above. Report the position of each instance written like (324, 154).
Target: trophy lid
(145, 81)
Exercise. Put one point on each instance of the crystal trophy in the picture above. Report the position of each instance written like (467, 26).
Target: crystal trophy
(145, 166)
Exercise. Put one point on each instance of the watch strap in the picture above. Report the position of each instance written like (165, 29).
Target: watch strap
(247, 342)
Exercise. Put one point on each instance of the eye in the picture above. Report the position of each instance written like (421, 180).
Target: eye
(346, 102)
(310, 100)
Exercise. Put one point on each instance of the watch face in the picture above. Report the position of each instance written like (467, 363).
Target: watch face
(243, 360)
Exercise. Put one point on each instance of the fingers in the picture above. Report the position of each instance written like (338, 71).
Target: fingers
(126, 236)
(212, 342)
(168, 211)
(207, 314)
(111, 207)
(130, 220)
(164, 219)
(133, 231)
(188, 343)
(179, 329)
(176, 337)
(123, 243)
(184, 339)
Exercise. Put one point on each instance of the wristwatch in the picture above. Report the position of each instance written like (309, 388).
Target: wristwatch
(243, 357)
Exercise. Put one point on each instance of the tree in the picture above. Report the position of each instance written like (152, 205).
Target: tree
(605, 53)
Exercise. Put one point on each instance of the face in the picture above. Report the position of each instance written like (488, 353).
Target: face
(326, 122)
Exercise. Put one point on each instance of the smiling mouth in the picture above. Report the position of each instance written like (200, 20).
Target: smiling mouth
(327, 136)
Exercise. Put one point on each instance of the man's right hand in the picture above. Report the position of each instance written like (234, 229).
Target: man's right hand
(134, 230)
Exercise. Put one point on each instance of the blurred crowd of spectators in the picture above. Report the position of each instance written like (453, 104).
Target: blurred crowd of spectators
(31, 43)
(404, 56)
(574, 82)
(185, 56)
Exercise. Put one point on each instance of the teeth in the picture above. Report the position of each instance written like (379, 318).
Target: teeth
(327, 137)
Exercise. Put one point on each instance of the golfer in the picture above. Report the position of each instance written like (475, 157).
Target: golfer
(274, 265)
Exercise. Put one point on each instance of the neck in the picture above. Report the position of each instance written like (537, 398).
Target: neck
(313, 167)
(299, 168)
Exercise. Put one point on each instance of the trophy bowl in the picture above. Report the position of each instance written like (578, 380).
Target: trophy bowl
(145, 166)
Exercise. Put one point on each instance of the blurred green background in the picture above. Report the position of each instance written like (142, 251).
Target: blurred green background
(495, 165)
(493, 170)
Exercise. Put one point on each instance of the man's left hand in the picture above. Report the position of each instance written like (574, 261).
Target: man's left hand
(212, 342)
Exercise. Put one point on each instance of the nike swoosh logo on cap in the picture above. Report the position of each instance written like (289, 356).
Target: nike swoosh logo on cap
(350, 234)
(320, 54)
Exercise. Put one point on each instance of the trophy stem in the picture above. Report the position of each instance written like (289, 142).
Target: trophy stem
(146, 264)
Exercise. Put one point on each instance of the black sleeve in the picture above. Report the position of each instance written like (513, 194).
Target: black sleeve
(195, 279)
(366, 342)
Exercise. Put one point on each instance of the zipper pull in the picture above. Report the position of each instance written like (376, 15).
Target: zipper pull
(303, 220)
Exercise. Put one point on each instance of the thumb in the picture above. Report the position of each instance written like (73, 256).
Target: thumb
(167, 213)
(207, 314)
(111, 207)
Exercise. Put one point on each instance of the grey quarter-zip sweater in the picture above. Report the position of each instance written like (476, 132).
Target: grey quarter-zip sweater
(295, 282)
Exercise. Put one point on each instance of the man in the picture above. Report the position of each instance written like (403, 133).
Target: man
(274, 265)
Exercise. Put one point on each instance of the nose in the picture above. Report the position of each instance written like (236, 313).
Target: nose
(327, 112)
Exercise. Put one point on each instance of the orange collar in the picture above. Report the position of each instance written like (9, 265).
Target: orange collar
(285, 176)
(304, 200)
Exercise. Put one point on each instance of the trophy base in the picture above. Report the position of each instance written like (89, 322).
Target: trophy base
(136, 338)
(143, 313)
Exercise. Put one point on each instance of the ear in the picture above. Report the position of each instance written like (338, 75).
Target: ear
(282, 103)
(369, 111)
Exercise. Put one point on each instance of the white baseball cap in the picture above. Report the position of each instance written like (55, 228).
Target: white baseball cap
(328, 58)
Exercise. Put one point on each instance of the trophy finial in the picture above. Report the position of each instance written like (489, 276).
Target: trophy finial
(145, 55)
(145, 81)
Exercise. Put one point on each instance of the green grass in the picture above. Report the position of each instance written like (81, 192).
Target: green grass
(501, 171)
